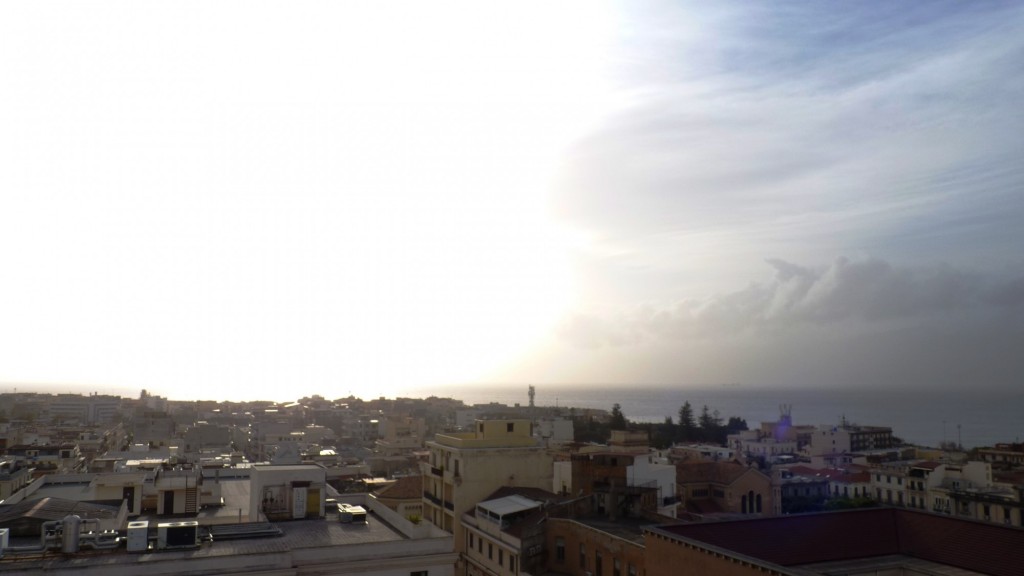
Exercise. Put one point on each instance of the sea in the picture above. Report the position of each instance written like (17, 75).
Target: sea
(969, 417)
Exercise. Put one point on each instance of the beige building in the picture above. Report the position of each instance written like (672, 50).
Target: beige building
(709, 489)
(465, 468)
(404, 496)
(847, 438)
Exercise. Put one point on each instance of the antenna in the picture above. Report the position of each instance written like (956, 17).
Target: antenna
(533, 392)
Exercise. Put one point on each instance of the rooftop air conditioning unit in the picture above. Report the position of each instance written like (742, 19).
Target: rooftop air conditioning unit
(174, 535)
(138, 536)
(350, 514)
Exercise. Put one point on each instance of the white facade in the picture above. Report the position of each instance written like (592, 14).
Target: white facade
(651, 468)
(287, 492)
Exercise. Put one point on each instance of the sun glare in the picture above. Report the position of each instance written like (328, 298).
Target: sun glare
(332, 197)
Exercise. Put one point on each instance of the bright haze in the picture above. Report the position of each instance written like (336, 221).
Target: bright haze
(239, 200)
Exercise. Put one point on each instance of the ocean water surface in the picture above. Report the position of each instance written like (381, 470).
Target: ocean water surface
(970, 417)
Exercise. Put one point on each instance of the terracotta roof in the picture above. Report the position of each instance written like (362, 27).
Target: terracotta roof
(405, 488)
(718, 472)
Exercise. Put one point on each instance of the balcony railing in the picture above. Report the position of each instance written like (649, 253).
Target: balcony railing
(433, 499)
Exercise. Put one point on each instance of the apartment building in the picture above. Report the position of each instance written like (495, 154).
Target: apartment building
(505, 534)
(465, 468)
(92, 409)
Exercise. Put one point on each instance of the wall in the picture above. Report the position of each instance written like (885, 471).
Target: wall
(666, 557)
(574, 534)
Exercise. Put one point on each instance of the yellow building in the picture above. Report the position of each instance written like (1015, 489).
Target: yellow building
(466, 468)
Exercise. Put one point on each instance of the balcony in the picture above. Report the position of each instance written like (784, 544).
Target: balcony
(432, 499)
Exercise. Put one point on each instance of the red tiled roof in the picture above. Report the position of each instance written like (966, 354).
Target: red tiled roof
(720, 472)
(405, 488)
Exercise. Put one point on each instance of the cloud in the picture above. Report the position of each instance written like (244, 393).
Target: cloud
(858, 129)
(855, 296)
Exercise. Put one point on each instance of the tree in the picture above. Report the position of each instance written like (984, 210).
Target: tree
(710, 425)
(618, 420)
(736, 424)
(687, 425)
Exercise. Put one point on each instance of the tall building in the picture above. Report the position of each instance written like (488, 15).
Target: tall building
(465, 468)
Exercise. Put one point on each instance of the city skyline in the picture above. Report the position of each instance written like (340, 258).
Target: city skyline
(223, 201)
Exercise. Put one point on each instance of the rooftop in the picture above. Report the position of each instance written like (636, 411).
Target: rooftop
(302, 542)
(842, 537)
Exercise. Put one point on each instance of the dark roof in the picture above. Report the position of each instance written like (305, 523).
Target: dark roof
(703, 506)
(718, 472)
(46, 509)
(846, 535)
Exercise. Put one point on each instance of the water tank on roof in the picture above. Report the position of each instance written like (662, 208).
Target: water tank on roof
(72, 528)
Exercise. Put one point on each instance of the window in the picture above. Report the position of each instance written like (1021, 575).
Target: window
(511, 563)
(616, 567)
(559, 550)
(501, 557)
(471, 540)
(509, 427)
(597, 564)
(490, 551)
(583, 557)
(632, 570)
(480, 545)
(420, 573)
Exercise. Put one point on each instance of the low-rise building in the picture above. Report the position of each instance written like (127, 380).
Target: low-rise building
(854, 542)
(717, 489)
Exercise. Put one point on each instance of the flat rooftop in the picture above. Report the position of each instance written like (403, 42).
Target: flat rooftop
(313, 541)
(828, 540)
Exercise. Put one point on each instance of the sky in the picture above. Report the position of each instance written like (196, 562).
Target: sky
(242, 200)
